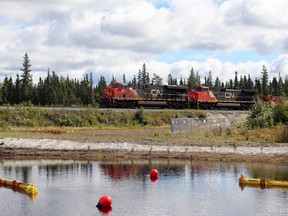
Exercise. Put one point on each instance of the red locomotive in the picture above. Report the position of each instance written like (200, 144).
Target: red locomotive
(123, 95)
(201, 98)
(174, 96)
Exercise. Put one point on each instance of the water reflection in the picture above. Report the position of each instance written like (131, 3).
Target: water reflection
(182, 188)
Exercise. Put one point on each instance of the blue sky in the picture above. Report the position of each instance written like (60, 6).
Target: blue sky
(235, 57)
(115, 37)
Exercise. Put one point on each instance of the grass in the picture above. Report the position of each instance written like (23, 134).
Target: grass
(277, 134)
(138, 127)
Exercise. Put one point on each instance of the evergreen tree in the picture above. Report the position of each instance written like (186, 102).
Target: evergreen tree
(280, 90)
(192, 79)
(17, 90)
(139, 78)
(264, 81)
(47, 90)
(245, 82)
(26, 84)
(258, 86)
(217, 82)
(41, 93)
(230, 85)
(11, 91)
(209, 81)
(134, 81)
(286, 85)
(236, 83)
(274, 86)
(91, 91)
(170, 79)
(4, 91)
(157, 79)
(249, 83)
(101, 86)
(124, 78)
(198, 79)
(145, 75)
(55, 89)
(181, 82)
(241, 83)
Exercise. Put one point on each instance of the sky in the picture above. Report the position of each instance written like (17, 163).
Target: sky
(115, 37)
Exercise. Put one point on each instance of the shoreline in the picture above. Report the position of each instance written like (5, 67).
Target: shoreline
(23, 148)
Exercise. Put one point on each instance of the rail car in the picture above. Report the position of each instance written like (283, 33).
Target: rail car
(122, 95)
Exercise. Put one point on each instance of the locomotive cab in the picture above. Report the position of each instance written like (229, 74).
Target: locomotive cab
(201, 97)
(119, 95)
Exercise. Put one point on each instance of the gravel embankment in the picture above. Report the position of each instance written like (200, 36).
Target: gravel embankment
(51, 148)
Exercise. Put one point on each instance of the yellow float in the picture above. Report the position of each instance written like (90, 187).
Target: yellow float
(263, 183)
(28, 189)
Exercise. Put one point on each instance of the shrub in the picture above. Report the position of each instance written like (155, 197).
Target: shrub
(141, 117)
(197, 114)
(281, 113)
(260, 116)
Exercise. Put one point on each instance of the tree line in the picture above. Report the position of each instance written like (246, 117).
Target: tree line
(53, 90)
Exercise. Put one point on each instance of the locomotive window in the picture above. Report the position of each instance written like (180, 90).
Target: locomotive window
(115, 85)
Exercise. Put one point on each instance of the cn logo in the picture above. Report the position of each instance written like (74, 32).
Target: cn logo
(229, 95)
(155, 92)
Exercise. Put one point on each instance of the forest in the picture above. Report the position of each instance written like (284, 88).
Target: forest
(53, 90)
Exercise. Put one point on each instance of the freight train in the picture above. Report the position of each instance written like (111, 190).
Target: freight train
(123, 95)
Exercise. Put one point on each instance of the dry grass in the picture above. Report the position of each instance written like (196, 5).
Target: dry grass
(158, 135)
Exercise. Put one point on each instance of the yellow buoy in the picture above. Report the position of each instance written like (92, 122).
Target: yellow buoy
(263, 183)
(28, 189)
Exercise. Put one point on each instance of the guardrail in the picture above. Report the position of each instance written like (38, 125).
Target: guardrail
(195, 127)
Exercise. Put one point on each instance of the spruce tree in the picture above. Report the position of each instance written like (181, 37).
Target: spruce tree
(280, 86)
(170, 79)
(26, 84)
(274, 87)
(17, 89)
(192, 79)
(286, 85)
(217, 82)
(264, 81)
(249, 83)
(209, 81)
(91, 90)
(181, 82)
(236, 83)
(4, 91)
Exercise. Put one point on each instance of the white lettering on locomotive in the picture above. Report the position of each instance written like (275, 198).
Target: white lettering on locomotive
(155, 92)
(229, 95)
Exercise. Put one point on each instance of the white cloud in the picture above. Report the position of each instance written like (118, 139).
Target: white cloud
(280, 66)
(115, 37)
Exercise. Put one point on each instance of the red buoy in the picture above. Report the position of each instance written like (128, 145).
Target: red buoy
(104, 202)
(153, 179)
(154, 173)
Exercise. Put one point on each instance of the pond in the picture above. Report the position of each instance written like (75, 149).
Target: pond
(68, 187)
